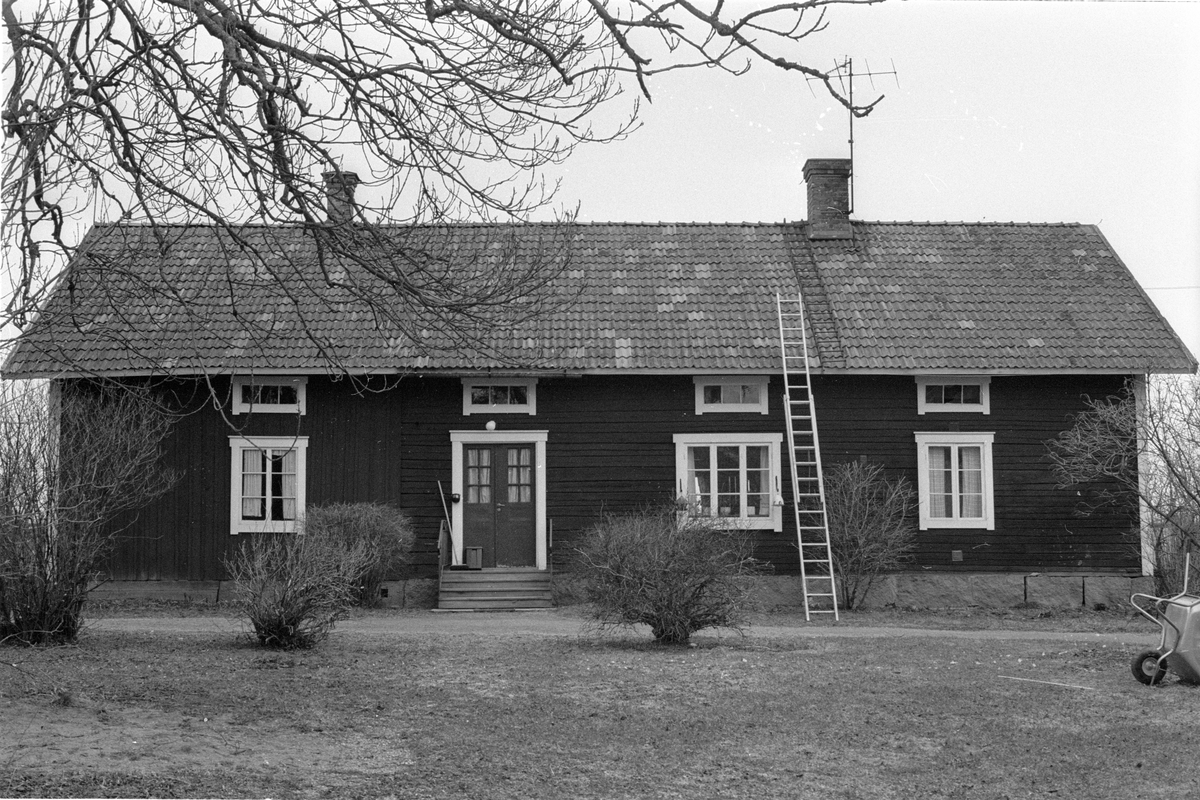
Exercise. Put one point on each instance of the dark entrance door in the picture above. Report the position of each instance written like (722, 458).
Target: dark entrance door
(498, 503)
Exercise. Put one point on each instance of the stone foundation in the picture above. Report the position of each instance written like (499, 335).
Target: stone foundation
(960, 590)
(902, 590)
(411, 593)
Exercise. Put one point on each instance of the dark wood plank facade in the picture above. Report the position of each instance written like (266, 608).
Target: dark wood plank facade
(610, 449)
(1039, 528)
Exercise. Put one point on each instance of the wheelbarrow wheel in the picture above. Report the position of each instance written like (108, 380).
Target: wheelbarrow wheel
(1145, 667)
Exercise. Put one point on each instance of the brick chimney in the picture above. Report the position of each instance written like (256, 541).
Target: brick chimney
(828, 182)
(339, 196)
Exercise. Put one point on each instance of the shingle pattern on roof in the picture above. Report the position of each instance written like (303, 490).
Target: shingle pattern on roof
(642, 297)
(945, 296)
(649, 297)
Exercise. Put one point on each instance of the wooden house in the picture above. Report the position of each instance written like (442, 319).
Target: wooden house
(948, 352)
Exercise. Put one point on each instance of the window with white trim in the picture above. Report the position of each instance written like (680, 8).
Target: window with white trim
(954, 479)
(268, 483)
(944, 394)
(499, 396)
(731, 476)
(269, 395)
(726, 394)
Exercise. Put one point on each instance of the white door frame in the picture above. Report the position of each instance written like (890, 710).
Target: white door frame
(457, 440)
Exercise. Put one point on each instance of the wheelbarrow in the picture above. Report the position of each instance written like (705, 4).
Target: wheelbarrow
(1179, 648)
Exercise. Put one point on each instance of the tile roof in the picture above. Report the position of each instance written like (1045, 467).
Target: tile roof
(653, 297)
(971, 296)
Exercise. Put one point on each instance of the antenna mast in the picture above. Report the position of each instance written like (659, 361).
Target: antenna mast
(845, 74)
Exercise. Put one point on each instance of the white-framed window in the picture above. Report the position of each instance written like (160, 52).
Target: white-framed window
(732, 476)
(962, 395)
(499, 396)
(269, 395)
(267, 486)
(954, 479)
(725, 394)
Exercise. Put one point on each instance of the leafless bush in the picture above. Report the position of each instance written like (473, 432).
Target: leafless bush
(1166, 548)
(676, 574)
(870, 526)
(295, 586)
(71, 462)
(387, 533)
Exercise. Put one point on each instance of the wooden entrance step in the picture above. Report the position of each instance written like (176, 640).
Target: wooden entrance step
(500, 589)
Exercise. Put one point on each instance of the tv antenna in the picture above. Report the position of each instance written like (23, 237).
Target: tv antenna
(843, 72)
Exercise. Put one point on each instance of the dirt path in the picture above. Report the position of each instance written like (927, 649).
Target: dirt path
(566, 624)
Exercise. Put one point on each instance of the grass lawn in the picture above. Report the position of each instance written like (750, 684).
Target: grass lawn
(432, 715)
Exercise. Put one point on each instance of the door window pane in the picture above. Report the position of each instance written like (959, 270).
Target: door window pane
(520, 475)
(479, 475)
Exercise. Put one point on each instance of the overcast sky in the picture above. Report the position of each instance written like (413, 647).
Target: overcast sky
(1000, 111)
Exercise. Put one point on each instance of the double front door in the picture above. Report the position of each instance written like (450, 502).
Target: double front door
(499, 510)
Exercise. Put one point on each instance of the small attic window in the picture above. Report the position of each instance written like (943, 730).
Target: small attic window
(500, 396)
(732, 394)
(269, 395)
(953, 394)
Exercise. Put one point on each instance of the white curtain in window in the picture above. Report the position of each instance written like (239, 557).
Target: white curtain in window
(970, 482)
(941, 488)
(254, 484)
(288, 490)
(699, 479)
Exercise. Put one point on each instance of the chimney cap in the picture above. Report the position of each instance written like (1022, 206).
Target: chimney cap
(836, 166)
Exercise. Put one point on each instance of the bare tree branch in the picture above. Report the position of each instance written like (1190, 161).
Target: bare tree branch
(228, 112)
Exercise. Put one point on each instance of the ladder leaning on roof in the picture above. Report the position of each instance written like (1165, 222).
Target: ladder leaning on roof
(808, 483)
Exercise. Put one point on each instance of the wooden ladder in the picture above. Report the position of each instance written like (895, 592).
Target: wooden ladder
(808, 483)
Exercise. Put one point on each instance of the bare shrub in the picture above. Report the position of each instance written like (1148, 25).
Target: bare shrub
(674, 573)
(870, 526)
(295, 586)
(71, 463)
(1165, 546)
(387, 533)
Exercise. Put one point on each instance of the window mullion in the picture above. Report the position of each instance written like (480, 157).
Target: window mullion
(714, 486)
(743, 481)
(955, 491)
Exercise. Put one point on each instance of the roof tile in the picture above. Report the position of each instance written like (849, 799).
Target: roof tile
(689, 297)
